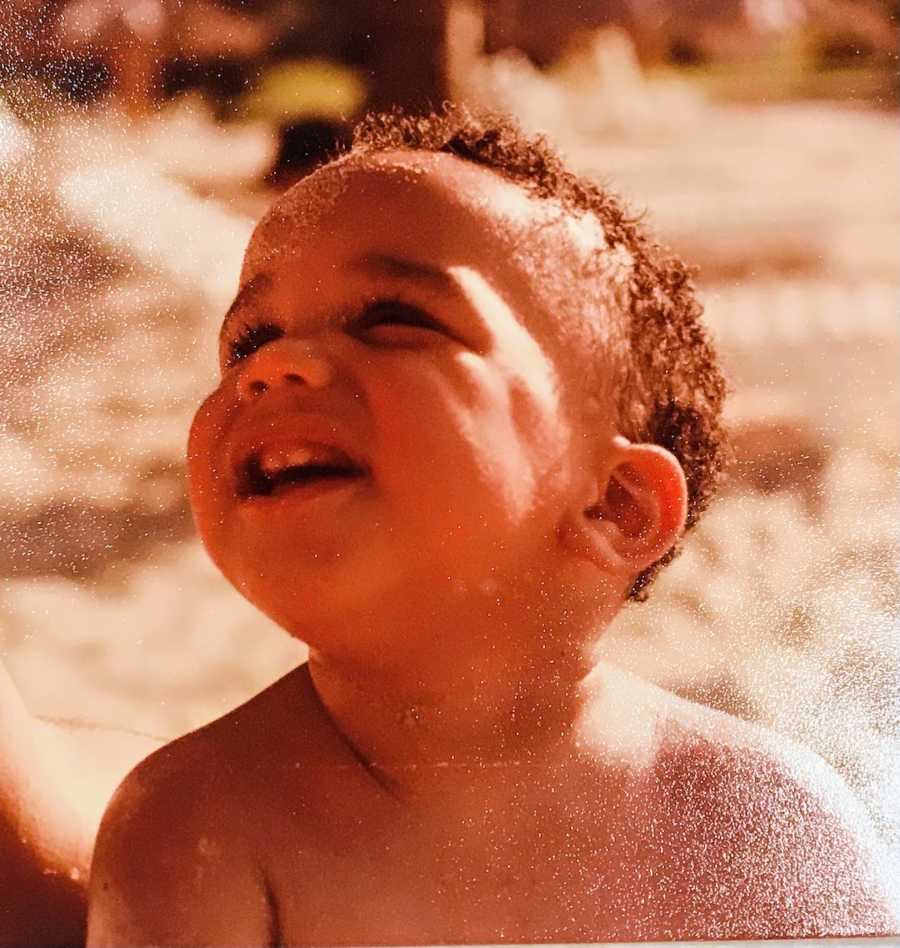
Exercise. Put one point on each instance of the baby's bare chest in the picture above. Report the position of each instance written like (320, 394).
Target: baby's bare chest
(532, 877)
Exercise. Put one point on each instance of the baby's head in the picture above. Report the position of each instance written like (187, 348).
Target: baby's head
(453, 370)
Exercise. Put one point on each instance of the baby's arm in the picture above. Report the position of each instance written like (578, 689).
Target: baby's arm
(173, 865)
(44, 849)
(55, 781)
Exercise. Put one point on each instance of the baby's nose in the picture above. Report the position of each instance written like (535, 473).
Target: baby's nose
(285, 362)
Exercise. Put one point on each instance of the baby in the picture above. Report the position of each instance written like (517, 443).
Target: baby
(466, 411)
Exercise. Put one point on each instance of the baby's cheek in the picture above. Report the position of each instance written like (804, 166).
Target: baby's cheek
(199, 435)
(536, 409)
(203, 440)
(519, 406)
(512, 429)
(537, 414)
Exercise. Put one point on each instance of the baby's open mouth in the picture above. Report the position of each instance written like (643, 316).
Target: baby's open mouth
(271, 470)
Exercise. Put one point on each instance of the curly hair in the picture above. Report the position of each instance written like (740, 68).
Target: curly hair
(671, 389)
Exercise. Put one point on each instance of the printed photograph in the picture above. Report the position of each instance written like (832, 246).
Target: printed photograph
(448, 472)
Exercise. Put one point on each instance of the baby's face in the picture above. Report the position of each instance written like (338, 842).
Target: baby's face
(393, 425)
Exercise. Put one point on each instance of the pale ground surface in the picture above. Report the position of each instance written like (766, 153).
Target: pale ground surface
(115, 270)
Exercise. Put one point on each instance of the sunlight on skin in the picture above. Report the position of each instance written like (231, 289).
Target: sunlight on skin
(445, 711)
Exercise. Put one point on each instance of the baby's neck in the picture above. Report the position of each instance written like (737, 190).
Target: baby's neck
(418, 728)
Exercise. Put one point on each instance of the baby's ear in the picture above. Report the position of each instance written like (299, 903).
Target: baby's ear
(639, 513)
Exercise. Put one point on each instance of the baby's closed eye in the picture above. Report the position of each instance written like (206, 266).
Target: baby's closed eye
(394, 313)
(251, 338)
(382, 321)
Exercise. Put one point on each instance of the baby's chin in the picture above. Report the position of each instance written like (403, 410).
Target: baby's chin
(327, 589)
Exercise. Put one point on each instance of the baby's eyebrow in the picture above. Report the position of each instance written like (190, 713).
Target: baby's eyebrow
(384, 265)
(377, 265)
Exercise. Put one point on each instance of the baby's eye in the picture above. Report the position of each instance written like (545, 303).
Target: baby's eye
(250, 339)
(395, 313)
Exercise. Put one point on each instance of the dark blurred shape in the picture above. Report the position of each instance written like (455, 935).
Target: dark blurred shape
(80, 79)
(545, 31)
(840, 51)
(221, 79)
(137, 50)
(682, 52)
(502, 19)
(401, 48)
(80, 541)
(123, 36)
(141, 50)
(780, 454)
(847, 33)
(694, 32)
(26, 31)
(304, 146)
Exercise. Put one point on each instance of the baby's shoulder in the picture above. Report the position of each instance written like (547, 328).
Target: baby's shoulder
(193, 818)
(766, 823)
(693, 751)
(724, 765)
(232, 763)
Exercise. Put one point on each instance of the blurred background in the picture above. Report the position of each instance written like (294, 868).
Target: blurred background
(141, 139)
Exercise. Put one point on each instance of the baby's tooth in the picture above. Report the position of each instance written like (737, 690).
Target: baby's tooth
(270, 462)
(297, 457)
(277, 459)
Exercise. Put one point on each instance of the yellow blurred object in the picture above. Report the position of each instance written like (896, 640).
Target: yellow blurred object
(295, 90)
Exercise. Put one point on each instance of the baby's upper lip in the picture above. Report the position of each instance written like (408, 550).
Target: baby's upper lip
(288, 433)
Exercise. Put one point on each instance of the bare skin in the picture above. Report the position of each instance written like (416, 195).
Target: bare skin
(449, 767)
(51, 802)
(714, 830)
